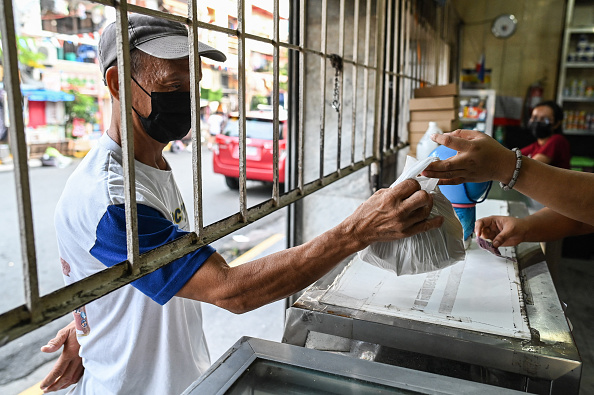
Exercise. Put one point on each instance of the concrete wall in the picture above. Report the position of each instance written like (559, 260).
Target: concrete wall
(531, 54)
(327, 207)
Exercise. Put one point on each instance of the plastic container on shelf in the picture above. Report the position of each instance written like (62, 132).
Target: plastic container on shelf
(426, 145)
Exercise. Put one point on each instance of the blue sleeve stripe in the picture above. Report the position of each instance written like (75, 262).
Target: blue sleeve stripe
(154, 230)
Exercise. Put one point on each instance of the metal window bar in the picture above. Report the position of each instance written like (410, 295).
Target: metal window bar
(387, 77)
(395, 80)
(275, 102)
(341, 83)
(366, 73)
(18, 147)
(195, 96)
(127, 139)
(38, 311)
(300, 133)
(323, 48)
(355, 74)
(242, 123)
(379, 61)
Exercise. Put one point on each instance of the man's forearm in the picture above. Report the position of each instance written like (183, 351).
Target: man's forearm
(286, 272)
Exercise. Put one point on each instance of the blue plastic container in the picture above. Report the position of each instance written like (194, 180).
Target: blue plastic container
(466, 193)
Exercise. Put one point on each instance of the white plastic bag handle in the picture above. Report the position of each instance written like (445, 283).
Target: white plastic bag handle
(412, 169)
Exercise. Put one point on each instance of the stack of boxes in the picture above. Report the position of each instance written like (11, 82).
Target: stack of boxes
(435, 104)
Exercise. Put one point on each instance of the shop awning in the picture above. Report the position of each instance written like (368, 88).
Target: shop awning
(47, 95)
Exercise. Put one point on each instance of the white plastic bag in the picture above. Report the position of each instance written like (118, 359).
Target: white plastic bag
(423, 252)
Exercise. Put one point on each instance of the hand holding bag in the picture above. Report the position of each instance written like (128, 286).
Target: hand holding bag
(423, 252)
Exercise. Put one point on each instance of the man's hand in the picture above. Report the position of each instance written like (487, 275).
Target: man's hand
(480, 158)
(68, 369)
(394, 213)
(503, 231)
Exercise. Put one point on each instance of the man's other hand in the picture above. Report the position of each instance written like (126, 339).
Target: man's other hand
(68, 369)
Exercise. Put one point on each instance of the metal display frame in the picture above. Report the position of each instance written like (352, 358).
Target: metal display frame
(550, 361)
(229, 368)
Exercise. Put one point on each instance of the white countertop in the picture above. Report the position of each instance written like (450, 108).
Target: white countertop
(482, 293)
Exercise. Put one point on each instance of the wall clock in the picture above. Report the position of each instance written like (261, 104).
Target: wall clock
(504, 26)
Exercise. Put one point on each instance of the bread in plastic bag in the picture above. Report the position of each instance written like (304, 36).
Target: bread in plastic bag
(424, 252)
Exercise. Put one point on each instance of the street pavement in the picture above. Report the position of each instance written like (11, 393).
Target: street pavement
(22, 365)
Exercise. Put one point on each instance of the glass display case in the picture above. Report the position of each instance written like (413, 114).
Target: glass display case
(477, 109)
(255, 366)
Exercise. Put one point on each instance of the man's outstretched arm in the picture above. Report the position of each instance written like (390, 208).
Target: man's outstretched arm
(390, 214)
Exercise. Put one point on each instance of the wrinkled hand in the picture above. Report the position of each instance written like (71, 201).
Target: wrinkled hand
(503, 231)
(395, 213)
(68, 369)
(480, 158)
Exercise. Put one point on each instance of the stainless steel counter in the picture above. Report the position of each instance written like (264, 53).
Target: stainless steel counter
(487, 319)
(255, 366)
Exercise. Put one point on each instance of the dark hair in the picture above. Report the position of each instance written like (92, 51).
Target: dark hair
(557, 113)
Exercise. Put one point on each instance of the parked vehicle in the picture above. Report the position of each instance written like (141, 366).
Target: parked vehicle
(259, 148)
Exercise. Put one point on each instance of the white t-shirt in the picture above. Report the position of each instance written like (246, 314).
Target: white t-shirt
(139, 339)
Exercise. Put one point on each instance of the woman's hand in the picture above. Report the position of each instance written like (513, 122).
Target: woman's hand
(480, 158)
(503, 231)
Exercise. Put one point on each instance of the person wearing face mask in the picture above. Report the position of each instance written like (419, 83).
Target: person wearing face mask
(550, 147)
(146, 337)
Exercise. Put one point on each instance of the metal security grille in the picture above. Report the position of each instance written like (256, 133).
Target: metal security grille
(396, 46)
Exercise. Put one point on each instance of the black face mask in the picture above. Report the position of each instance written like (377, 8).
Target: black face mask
(171, 115)
(540, 130)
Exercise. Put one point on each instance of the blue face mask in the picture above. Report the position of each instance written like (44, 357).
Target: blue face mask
(171, 115)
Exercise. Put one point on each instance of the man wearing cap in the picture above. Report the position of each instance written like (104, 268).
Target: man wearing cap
(147, 337)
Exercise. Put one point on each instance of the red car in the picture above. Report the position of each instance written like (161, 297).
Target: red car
(259, 144)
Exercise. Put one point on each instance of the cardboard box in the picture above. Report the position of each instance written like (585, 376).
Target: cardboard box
(439, 90)
(435, 115)
(444, 125)
(413, 140)
(434, 103)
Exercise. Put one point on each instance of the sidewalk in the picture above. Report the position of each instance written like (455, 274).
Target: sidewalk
(9, 165)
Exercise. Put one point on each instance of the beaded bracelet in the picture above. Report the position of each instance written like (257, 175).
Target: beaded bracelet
(516, 171)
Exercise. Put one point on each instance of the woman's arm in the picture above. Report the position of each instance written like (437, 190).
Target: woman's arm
(544, 225)
(481, 158)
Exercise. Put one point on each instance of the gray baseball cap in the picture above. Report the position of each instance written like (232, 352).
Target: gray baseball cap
(157, 37)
